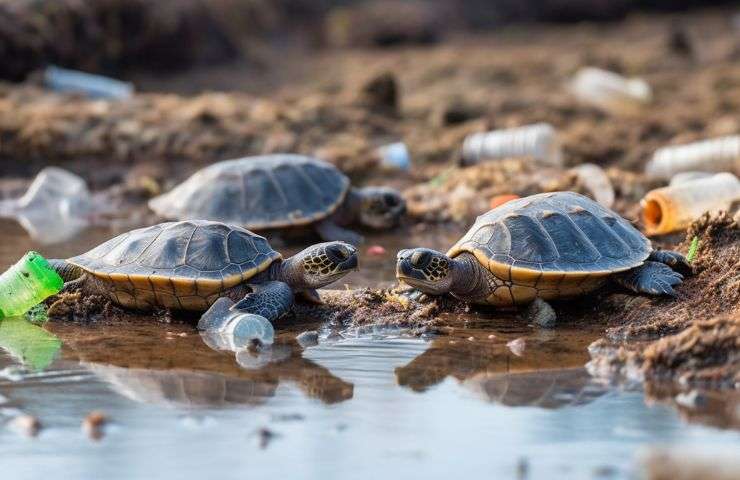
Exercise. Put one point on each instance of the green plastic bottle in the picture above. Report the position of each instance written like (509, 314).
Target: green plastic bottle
(26, 284)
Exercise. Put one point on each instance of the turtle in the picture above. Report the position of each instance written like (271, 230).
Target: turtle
(281, 191)
(545, 246)
(189, 265)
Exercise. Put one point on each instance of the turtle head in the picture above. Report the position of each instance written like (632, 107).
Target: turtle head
(380, 207)
(319, 265)
(428, 270)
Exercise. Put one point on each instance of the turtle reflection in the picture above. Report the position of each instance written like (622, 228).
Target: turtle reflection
(181, 371)
(549, 375)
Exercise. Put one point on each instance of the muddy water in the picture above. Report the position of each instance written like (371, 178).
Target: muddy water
(349, 407)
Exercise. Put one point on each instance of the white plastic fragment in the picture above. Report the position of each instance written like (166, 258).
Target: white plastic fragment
(594, 178)
(395, 156)
(94, 86)
(538, 141)
(56, 206)
(716, 155)
(610, 91)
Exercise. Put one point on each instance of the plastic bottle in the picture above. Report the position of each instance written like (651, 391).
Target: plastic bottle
(26, 284)
(668, 209)
(94, 86)
(31, 345)
(715, 155)
(610, 91)
(231, 329)
(594, 178)
(538, 141)
(683, 177)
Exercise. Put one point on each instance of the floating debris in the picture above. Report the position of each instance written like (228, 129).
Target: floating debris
(715, 155)
(264, 437)
(610, 91)
(673, 208)
(234, 329)
(26, 425)
(93, 86)
(93, 425)
(538, 141)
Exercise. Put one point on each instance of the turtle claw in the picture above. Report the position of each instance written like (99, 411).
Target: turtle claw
(673, 259)
(654, 278)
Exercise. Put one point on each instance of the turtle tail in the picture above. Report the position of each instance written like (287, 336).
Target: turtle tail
(66, 270)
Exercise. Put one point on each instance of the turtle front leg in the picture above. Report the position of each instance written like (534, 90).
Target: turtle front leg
(330, 231)
(653, 278)
(673, 259)
(266, 302)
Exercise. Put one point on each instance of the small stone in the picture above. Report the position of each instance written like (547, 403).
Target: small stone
(376, 251)
(93, 424)
(26, 425)
(517, 346)
(309, 338)
(540, 313)
(265, 436)
(471, 339)
(491, 336)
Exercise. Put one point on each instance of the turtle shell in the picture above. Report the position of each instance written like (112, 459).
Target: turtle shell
(178, 265)
(270, 191)
(552, 245)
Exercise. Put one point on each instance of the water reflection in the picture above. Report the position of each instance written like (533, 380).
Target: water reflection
(174, 367)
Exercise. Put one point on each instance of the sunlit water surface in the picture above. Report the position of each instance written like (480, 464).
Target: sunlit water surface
(356, 407)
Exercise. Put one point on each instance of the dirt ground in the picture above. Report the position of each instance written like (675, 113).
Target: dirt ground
(342, 104)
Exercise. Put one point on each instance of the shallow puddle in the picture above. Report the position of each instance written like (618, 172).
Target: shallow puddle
(349, 407)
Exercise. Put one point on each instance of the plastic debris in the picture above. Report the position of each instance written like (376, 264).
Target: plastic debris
(715, 155)
(610, 91)
(594, 178)
(29, 344)
(395, 156)
(673, 208)
(93, 86)
(538, 141)
(55, 207)
(693, 249)
(684, 177)
(376, 250)
(26, 284)
(232, 329)
(499, 200)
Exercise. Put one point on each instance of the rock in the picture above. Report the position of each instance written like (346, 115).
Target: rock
(540, 313)
(309, 338)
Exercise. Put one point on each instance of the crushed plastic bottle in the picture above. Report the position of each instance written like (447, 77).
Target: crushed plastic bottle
(395, 156)
(538, 141)
(610, 91)
(26, 284)
(231, 329)
(93, 86)
(715, 155)
(56, 206)
(673, 208)
(594, 178)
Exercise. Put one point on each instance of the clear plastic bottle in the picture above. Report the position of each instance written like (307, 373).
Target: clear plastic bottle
(26, 284)
(715, 155)
(538, 141)
(229, 329)
(673, 208)
(610, 91)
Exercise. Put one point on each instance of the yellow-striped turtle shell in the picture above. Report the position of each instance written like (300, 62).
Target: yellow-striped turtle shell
(551, 245)
(262, 192)
(178, 265)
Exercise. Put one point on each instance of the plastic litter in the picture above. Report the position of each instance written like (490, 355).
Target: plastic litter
(610, 91)
(93, 86)
(594, 178)
(29, 344)
(715, 155)
(499, 200)
(538, 141)
(26, 284)
(672, 208)
(228, 329)
(395, 156)
(684, 177)
(56, 206)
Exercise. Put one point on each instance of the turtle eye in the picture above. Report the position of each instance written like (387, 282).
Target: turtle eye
(420, 259)
(338, 253)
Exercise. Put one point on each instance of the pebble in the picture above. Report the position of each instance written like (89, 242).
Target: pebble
(376, 251)
(93, 424)
(517, 346)
(26, 425)
(265, 436)
(309, 338)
